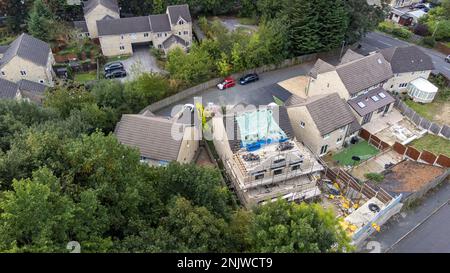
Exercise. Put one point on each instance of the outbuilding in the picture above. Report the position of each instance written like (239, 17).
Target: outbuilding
(422, 90)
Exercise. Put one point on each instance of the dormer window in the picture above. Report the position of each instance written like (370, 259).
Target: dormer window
(181, 21)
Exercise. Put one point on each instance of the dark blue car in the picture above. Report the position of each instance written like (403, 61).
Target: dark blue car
(248, 79)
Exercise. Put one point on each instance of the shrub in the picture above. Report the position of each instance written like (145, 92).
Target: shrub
(421, 30)
(386, 26)
(402, 33)
(429, 41)
(374, 177)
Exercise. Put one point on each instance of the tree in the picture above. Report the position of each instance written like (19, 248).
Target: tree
(34, 216)
(40, 21)
(17, 13)
(302, 20)
(333, 23)
(363, 18)
(289, 227)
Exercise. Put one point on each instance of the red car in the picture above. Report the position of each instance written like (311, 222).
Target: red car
(226, 83)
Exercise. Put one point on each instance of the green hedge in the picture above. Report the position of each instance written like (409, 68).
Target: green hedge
(394, 29)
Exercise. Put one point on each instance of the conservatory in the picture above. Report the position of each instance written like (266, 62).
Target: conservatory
(421, 90)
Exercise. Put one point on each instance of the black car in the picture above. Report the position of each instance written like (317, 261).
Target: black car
(113, 66)
(248, 79)
(118, 73)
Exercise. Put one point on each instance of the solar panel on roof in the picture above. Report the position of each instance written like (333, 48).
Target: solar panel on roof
(361, 104)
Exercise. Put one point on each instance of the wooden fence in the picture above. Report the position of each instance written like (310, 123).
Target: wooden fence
(425, 156)
(374, 140)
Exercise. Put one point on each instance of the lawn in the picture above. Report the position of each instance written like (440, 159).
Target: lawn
(434, 144)
(85, 77)
(248, 21)
(362, 149)
(118, 58)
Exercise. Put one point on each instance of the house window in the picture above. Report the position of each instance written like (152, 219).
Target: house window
(259, 176)
(122, 48)
(326, 136)
(165, 34)
(186, 32)
(302, 124)
(339, 140)
(296, 167)
(324, 149)
(380, 110)
(23, 72)
(181, 22)
(3, 73)
(278, 172)
(121, 37)
(403, 84)
(159, 46)
(41, 81)
(179, 33)
(159, 35)
(145, 34)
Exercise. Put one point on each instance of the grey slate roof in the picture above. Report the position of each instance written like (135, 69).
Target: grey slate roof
(160, 23)
(8, 89)
(123, 25)
(28, 48)
(329, 113)
(370, 104)
(81, 25)
(173, 39)
(294, 100)
(151, 135)
(320, 67)
(178, 11)
(364, 73)
(91, 4)
(407, 59)
(32, 87)
(234, 136)
(349, 56)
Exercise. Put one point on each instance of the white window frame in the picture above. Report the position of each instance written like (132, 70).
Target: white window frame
(302, 124)
(327, 136)
(23, 72)
(122, 48)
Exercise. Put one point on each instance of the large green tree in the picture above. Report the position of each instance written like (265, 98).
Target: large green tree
(40, 21)
(289, 227)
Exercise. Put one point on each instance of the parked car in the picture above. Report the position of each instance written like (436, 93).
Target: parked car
(417, 6)
(113, 66)
(118, 73)
(226, 83)
(447, 59)
(249, 78)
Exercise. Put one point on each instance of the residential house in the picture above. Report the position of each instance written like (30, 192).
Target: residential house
(402, 3)
(407, 64)
(324, 122)
(27, 58)
(262, 156)
(23, 90)
(356, 79)
(159, 140)
(121, 36)
(98, 10)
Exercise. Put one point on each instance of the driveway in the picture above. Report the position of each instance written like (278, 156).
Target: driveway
(141, 61)
(257, 93)
(376, 40)
(424, 228)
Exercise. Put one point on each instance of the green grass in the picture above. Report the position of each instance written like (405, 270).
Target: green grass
(118, 58)
(427, 110)
(434, 144)
(361, 149)
(278, 101)
(6, 40)
(85, 77)
(248, 21)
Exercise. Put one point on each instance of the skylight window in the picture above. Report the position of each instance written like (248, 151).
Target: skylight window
(382, 95)
(379, 61)
(361, 104)
(375, 98)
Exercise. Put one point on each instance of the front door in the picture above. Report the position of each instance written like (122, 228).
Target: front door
(386, 109)
(367, 118)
